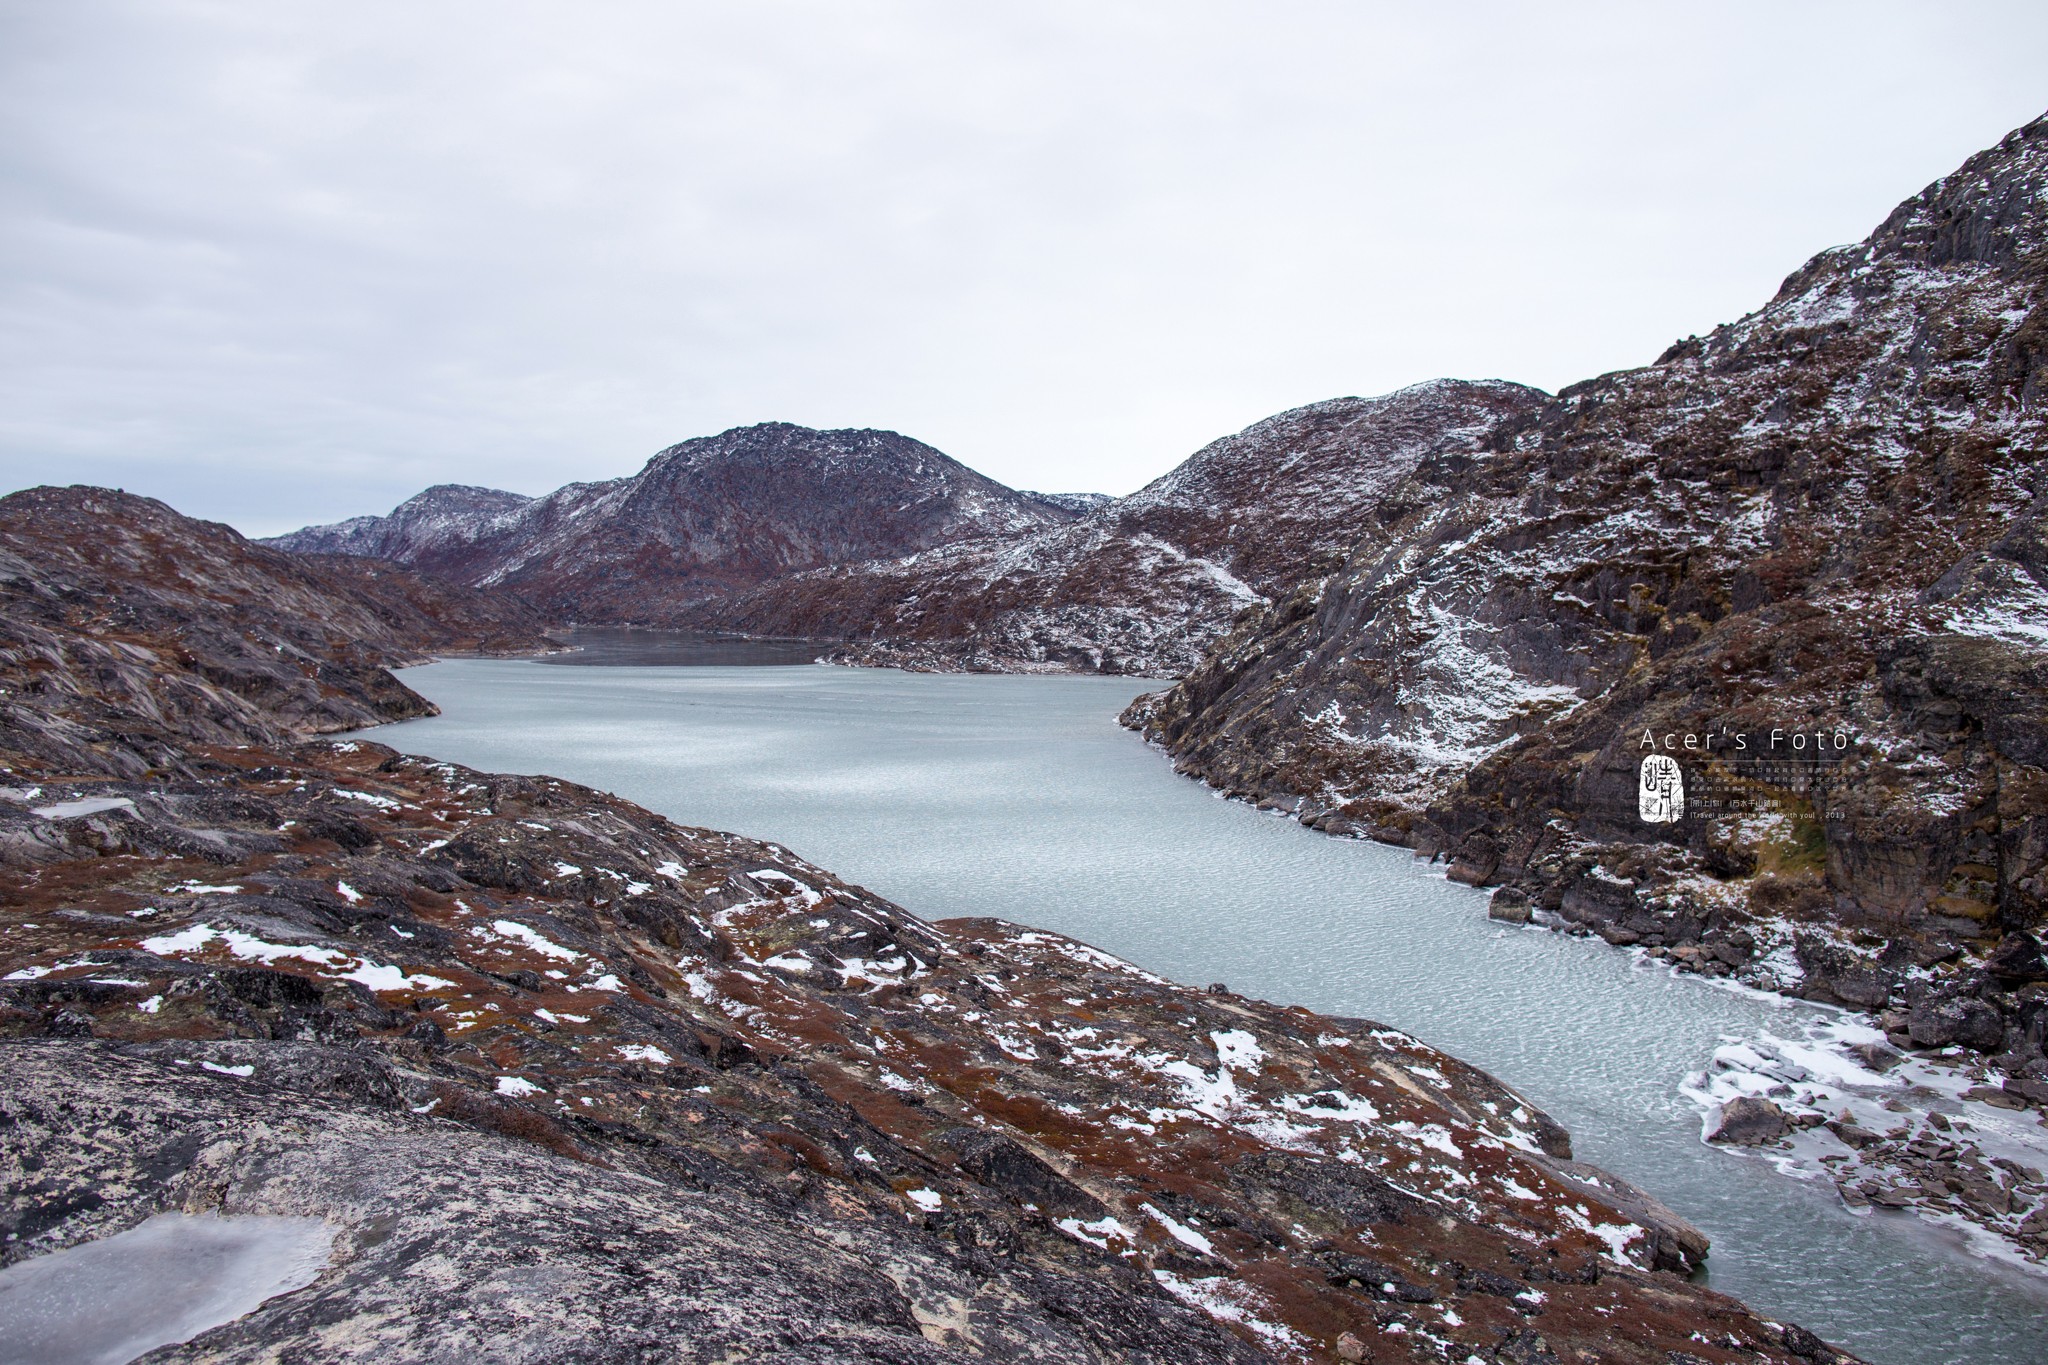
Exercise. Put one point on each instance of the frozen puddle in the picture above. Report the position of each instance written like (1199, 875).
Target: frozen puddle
(165, 1281)
(91, 805)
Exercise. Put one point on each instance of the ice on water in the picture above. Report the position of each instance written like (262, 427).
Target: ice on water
(166, 1280)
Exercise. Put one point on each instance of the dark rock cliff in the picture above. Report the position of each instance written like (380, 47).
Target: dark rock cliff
(1800, 557)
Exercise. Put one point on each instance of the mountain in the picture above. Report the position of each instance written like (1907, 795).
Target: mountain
(1147, 583)
(702, 519)
(430, 531)
(1077, 503)
(1803, 558)
(504, 1040)
(122, 621)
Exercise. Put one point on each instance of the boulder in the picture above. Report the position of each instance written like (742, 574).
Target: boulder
(1750, 1122)
(1837, 976)
(1372, 1277)
(1958, 1020)
(1996, 1097)
(2029, 1088)
(1509, 906)
(1803, 1343)
(2017, 960)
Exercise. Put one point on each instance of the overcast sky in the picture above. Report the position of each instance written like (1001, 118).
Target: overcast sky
(279, 262)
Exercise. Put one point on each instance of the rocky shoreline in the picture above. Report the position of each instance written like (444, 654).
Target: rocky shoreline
(528, 959)
(1888, 1130)
(1800, 562)
(567, 1081)
(1860, 1105)
(1452, 618)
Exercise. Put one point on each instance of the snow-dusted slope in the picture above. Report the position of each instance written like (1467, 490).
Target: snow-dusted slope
(1829, 519)
(430, 530)
(1147, 583)
(703, 518)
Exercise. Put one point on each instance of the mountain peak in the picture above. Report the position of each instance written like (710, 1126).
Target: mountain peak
(702, 517)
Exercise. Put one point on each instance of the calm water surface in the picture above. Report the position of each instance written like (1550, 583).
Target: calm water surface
(1021, 798)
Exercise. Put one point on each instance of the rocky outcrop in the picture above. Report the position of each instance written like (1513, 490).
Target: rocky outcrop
(1145, 584)
(1749, 1122)
(1934, 1132)
(1080, 504)
(128, 631)
(1797, 563)
(703, 519)
(301, 986)
(569, 1081)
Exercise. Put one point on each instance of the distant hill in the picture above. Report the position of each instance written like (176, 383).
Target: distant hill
(703, 519)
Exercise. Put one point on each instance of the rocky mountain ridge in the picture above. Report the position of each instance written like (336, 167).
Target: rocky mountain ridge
(434, 531)
(703, 519)
(567, 1081)
(1147, 583)
(1802, 564)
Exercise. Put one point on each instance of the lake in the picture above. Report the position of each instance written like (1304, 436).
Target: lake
(1022, 798)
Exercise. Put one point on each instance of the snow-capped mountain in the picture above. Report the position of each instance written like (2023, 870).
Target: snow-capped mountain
(1146, 583)
(703, 518)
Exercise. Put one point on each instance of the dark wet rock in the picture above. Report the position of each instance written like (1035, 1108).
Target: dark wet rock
(1477, 1280)
(1510, 906)
(1525, 1347)
(1311, 1183)
(1803, 1343)
(2017, 960)
(1957, 1020)
(1008, 1165)
(1749, 1122)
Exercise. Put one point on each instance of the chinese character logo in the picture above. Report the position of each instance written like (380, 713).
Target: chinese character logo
(1660, 796)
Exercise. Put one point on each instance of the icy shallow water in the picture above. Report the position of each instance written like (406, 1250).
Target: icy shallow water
(1021, 798)
(165, 1280)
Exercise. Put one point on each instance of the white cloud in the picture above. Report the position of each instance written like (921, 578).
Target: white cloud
(294, 261)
